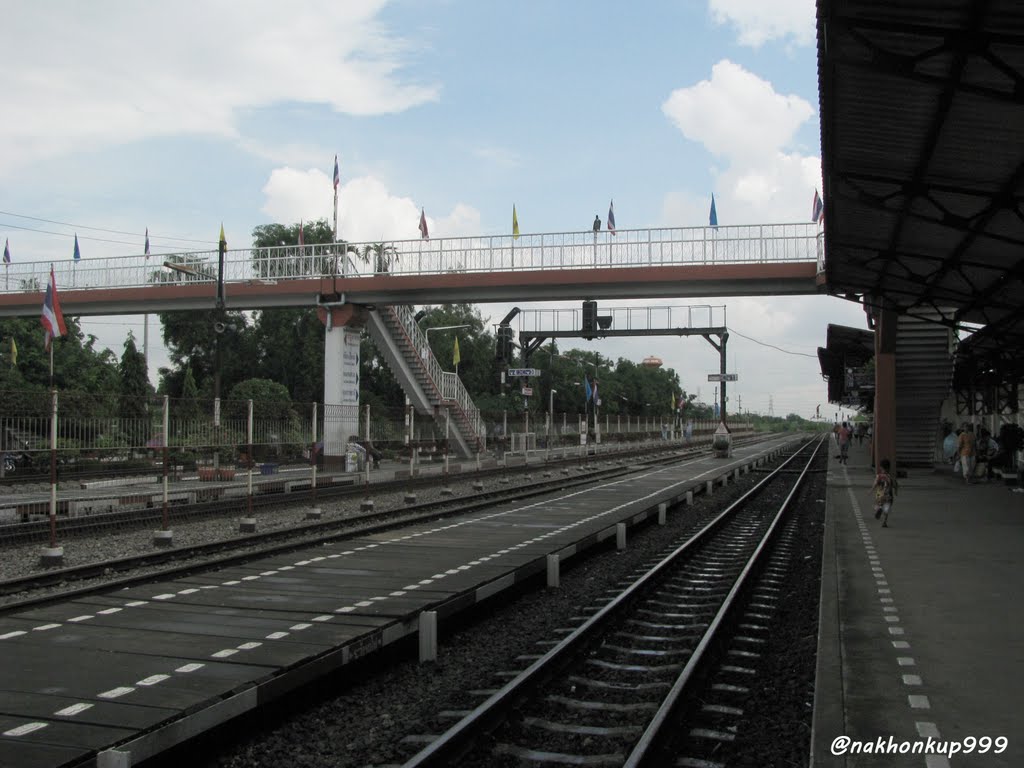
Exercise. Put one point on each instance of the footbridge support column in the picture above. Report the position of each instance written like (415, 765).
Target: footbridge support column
(344, 323)
(884, 431)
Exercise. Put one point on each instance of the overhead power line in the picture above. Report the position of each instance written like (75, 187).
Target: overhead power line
(94, 229)
(765, 344)
(68, 234)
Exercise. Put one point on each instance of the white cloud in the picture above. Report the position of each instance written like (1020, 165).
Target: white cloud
(741, 119)
(86, 75)
(759, 21)
(736, 114)
(367, 211)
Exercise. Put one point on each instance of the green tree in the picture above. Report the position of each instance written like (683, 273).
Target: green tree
(77, 364)
(289, 343)
(135, 389)
(380, 256)
(319, 256)
(192, 339)
(271, 398)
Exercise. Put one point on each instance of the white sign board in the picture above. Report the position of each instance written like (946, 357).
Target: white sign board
(350, 368)
(524, 372)
(527, 391)
(723, 377)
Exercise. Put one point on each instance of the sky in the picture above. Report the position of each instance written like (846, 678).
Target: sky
(122, 116)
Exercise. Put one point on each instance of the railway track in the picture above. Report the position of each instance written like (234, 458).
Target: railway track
(86, 525)
(678, 645)
(172, 562)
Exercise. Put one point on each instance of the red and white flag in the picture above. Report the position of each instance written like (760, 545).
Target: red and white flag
(817, 209)
(423, 225)
(52, 318)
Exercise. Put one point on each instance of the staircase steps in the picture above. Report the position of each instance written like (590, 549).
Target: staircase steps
(430, 389)
(924, 372)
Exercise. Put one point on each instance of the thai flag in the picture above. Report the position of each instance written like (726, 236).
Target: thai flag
(53, 318)
(7, 251)
(146, 252)
(423, 225)
(588, 393)
(337, 174)
(817, 209)
(611, 217)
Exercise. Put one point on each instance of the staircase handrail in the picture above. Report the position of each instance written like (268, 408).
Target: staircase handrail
(448, 385)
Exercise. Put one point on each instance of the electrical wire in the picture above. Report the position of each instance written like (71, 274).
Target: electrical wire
(765, 344)
(85, 226)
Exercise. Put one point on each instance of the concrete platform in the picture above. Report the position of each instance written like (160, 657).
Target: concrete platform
(178, 657)
(922, 622)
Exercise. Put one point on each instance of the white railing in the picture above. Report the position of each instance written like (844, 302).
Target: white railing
(449, 385)
(626, 318)
(741, 244)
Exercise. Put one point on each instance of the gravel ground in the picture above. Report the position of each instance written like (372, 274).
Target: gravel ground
(23, 560)
(362, 722)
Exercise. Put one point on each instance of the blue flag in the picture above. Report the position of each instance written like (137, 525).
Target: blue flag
(7, 251)
(586, 389)
(713, 217)
(78, 253)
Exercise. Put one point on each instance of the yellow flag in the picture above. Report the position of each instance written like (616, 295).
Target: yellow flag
(673, 401)
(456, 357)
(14, 353)
(223, 240)
(515, 223)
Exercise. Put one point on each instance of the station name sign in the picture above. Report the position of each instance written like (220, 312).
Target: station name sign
(723, 377)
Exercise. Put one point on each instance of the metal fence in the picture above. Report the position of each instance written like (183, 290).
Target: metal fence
(102, 434)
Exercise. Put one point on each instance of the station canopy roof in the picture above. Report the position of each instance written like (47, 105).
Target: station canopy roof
(922, 136)
(845, 352)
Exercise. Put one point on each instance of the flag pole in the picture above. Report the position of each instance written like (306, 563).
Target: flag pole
(51, 363)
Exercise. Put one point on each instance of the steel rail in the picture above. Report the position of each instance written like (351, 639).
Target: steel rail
(646, 748)
(447, 748)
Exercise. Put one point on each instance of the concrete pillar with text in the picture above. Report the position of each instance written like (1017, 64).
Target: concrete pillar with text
(344, 324)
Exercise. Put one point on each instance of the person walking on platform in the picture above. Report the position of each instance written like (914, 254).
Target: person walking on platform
(843, 437)
(965, 449)
(885, 491)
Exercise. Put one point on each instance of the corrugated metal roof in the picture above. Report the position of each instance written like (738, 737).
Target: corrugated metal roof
(922, 122)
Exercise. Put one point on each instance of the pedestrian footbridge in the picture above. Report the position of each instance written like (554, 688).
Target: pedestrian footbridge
(384, 279)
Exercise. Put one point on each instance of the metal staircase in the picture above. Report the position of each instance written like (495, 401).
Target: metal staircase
(430, 389)
(924, 373)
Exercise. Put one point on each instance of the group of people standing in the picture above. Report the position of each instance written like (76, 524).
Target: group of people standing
(972, 454)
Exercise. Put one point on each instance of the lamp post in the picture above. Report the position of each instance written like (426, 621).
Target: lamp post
(427, 332)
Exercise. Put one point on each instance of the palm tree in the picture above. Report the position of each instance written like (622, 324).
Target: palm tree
(381, 255)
